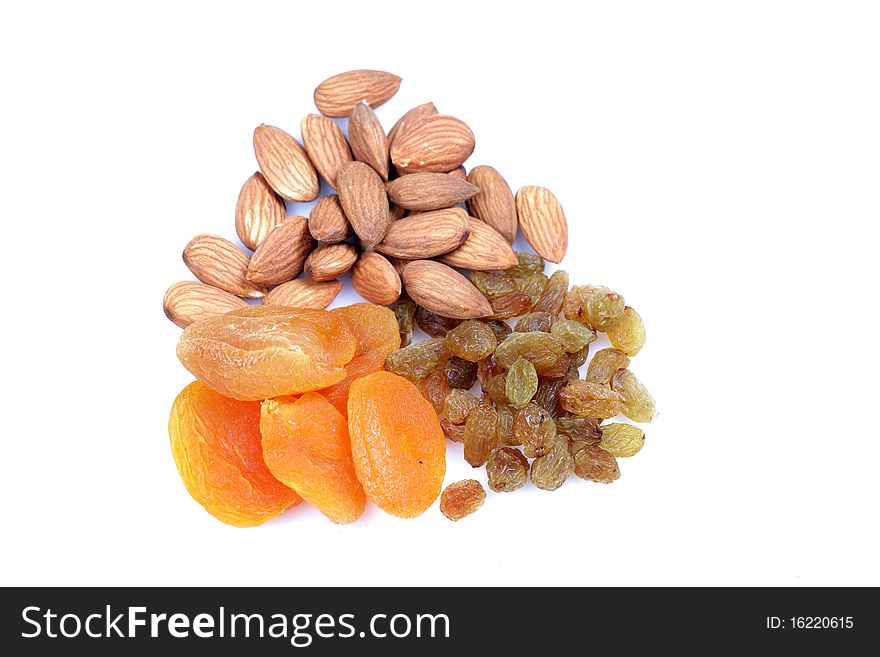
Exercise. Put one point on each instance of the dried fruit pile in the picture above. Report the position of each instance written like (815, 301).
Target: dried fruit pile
(294, 402)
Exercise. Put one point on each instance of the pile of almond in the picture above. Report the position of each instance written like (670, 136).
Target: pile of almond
(396, 220)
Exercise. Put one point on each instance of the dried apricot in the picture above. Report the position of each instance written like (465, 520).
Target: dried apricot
(267, 351)
(377, 333)
(398, 447)
(462, 498)
(216, 446)
(306, 446)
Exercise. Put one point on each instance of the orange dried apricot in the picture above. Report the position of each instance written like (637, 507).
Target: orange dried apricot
(216, 446)
(397, 444)
(377, 334)
(306, 446)
(266, 351)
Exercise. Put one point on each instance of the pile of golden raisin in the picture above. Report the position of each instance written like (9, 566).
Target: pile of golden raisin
(326, 406)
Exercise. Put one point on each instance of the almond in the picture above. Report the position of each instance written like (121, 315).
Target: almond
(412, 117)
(218, 262)
(444, 291)
(396, 212)
(363, 198)
(460, 172)
(337, 96)
(327, 262)
(285, 164)
(398, 263)
(187, 302)
(429, 191)
(436, 143)
(368, 141)
(376, 279)
(326, 146)
(494, 203)
(426, 235)
(484, 249)
(543, 222)
(259, 210)
(281, 255)
(304, 293)
(327, 222)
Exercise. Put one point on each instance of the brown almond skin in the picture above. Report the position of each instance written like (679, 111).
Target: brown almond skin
(376, 279)
(337, 96)
(429, 191)
(304, 293)
(285, 164)
(494, 203)
(364, 201)
(327, 262)
(460, 172)
(543, 222)
(326, 146)
(396, 212)
(443, 290)
(485, 249)
(327, 222)
(258, 210)
(436, 143)
(412, 117)
(187, 302)
(426, 234)
(368, 141)
(218, 262)
(281, 255)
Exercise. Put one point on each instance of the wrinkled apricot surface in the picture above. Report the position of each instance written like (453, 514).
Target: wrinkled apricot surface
(397, 444)
(266, 351)
(377, 333)
(306, 446)
(216, 446)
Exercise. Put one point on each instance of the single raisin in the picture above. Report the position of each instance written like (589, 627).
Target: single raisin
(521, 382)
(507, 469)
(602, 307)
(573, 335)
(500, 329)
(512, 304)
(532, 286)
(435, 388)
(417, 360)
(471, 340)
(534, 429)
(554, 293)
(493, 284)
(487, 368)
(453, 432)
(535, 321)
(622, 439)
(461, 373)
(590, 399)
(593, 463)
(540, 349)
(578, 428)
(558, 369)
(628, 334)
(547, 395)
(604, 364)
(529, 263)
(405, 311)
(504, 428)
(495, 388)
(433, 324)
(457, 405)
(550, 471)
(480, 434)
(580, 357)
(638, 404)
(462, 499)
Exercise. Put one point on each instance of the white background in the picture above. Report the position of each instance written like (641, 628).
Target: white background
(718, 163)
